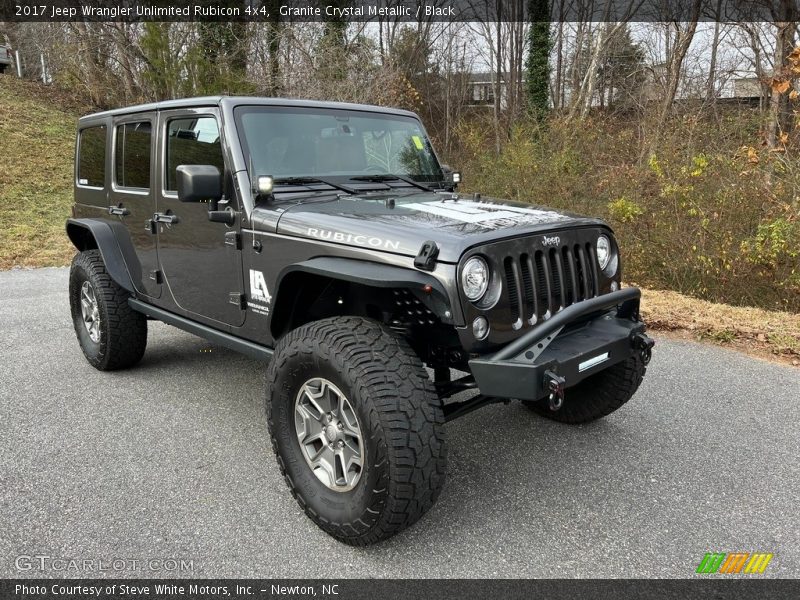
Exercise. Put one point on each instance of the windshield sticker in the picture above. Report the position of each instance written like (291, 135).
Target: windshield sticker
(417, 142)
(488, 216)
(349, 238)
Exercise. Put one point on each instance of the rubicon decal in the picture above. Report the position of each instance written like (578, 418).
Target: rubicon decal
(734, 563)
(351, 238)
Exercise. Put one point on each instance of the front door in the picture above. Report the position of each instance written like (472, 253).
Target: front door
(201, 262)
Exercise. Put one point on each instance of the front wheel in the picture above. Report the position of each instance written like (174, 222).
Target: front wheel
(357, 428)
(597, 396)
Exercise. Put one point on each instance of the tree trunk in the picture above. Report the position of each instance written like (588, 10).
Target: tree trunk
(779, 114)
(683, 39)
(590, 80)
(558, 100)
(498, 78)
(712, 68)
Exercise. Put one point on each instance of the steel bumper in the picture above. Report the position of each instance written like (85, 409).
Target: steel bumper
(577, 342)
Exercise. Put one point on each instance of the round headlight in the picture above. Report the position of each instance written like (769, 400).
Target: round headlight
(475, 278)
(603, 251)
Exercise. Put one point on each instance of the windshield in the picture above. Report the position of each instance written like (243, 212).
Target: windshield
(333, 143)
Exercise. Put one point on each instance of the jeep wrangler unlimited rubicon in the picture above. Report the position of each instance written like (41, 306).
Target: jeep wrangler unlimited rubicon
(327, 239)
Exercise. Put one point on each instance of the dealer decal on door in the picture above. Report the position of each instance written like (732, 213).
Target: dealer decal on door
(259, 294)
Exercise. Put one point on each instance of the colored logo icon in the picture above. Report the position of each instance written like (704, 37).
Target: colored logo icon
(733, 563)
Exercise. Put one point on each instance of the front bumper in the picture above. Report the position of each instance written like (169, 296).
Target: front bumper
(577, 342)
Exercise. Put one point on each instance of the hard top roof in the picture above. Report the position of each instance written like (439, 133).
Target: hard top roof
(239, 101)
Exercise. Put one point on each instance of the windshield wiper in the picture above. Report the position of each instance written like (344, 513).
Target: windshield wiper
(391, 177)
(307, 180)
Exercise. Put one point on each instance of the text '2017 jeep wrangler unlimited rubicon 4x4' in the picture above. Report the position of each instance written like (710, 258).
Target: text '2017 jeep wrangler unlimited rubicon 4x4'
(328, 240)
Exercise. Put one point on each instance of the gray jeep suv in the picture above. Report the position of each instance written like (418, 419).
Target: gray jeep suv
(328, 240)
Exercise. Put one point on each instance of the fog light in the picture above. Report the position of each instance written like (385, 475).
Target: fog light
(480, 328)
(264, 185)
(614, 286)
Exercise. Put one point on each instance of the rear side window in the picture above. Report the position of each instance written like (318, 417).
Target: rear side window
(192, 141)
(92, 159)
(132, 155)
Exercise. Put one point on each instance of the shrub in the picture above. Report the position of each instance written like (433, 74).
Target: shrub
(702, 212)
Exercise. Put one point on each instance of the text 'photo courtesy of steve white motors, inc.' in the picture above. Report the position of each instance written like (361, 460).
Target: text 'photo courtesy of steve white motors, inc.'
(138, 589)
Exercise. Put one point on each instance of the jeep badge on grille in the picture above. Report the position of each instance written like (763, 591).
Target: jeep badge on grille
(551, 240)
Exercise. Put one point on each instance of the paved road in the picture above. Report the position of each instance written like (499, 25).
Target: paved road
(171, 460)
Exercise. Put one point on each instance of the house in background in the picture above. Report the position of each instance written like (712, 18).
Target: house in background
(739, 88)
(481, 90)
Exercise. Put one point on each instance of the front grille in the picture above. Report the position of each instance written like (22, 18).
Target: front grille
(541, 283)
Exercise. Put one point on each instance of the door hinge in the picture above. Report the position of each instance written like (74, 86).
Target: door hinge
(156, 276)
(232, 238)
(238, 299)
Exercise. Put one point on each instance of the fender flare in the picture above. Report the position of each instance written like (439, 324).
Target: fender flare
(92, 233)
(378, 275)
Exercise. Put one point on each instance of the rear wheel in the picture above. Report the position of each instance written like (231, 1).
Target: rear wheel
(596, 396)
(357, 428)
(111, 334)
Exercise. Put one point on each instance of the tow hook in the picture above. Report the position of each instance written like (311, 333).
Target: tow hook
(555, 385)
(644, 345)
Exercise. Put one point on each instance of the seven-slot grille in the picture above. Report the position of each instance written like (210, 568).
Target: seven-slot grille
(542, 282)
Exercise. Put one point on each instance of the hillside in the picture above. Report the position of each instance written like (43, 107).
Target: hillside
(37, 137)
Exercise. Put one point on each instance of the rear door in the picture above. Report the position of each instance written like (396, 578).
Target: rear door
(132, 198)
(201, 261)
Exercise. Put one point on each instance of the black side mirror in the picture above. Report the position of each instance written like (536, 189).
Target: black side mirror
(197, 183)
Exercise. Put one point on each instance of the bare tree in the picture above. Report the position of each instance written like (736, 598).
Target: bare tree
(780, 121)
(684, 34)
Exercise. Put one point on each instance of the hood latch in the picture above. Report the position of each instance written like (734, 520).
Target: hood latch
(426, 257)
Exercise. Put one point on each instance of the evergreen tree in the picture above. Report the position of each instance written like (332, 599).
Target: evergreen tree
(537, 65)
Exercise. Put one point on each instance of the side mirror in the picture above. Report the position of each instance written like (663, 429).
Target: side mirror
(197, 183)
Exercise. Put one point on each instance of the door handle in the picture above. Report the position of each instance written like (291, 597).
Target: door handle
(118, 210)
(165, 218)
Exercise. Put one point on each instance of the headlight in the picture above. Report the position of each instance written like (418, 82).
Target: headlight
(475, 278)
(603, 252)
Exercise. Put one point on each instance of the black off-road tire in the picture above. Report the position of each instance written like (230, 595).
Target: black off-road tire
(123, 331)
(597, 396)
(400, 417)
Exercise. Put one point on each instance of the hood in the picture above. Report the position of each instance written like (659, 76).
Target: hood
(402, 223)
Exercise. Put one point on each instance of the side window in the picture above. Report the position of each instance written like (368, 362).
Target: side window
(92, 159)
(132, 155)
(192, 141)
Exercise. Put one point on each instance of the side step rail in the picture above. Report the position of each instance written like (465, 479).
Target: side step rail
(227, 340)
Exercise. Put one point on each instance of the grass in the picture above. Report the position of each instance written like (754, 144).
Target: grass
(37, 137)
(752, 330)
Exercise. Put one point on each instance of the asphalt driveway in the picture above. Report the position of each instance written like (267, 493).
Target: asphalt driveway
(170, 461)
